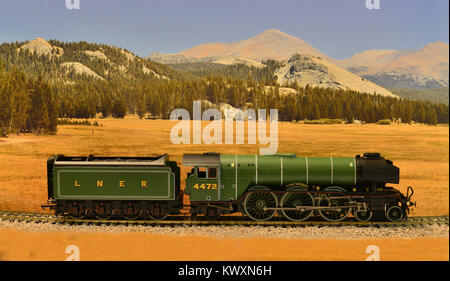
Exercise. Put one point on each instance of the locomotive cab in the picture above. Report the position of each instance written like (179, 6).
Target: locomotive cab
(202, 183)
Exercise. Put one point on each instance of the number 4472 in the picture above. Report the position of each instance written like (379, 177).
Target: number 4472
(206, 186)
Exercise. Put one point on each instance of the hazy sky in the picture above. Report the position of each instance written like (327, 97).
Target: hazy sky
(337, 28)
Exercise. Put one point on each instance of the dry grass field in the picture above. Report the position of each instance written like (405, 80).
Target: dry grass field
(421, 152)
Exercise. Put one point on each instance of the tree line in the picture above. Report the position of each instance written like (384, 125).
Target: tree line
(26, 105)
(159, 98)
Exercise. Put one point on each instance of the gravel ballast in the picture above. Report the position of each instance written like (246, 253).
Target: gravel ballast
(308, 232)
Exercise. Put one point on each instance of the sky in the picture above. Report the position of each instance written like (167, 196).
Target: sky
(339, 28)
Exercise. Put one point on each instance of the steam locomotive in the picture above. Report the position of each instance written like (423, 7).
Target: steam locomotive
(260, 187)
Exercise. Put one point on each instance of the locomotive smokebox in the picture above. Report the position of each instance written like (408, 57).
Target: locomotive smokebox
(372, 168)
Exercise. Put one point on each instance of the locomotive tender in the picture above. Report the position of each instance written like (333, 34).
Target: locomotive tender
(258, 186)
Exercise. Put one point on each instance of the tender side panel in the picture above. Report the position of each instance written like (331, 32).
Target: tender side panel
(113, 183)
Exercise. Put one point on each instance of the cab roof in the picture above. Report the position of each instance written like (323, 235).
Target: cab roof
(205, 159)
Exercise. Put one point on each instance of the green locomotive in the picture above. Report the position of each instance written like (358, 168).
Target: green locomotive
(260, 187)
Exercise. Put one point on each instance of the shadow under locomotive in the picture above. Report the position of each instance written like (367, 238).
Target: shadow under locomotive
(281, 186)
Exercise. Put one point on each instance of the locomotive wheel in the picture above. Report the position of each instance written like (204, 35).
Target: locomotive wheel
(255, 204)
(394, 213)
(297, 200)
(333, 215)
(77, 210)
(363, 215)
(130, 211)
(157, 211)
(103, 211)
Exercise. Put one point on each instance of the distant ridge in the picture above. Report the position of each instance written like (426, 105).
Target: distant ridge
(71, 61)
(427, 67)
(269, 44)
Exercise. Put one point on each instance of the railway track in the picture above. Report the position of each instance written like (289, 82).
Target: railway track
(416, 221)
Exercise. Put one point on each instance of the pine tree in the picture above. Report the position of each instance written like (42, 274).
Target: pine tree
(431, 117)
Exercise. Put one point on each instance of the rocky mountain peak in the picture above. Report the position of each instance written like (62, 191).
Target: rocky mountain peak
(316, 72)
(41, 47)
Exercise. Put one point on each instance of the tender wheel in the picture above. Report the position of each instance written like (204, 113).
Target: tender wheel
(394, 213)
(297, 200)
(157, 211)
(103, 211)
(256, 204)
(77, 210)
(130, 211)
(363, 215)
(333, 215)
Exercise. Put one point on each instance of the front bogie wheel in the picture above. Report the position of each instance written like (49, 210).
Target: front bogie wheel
(394, 213)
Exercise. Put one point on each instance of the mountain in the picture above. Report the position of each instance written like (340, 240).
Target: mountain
(269, 44)
(425, 68)
(41, 47)
(69, 62)
(302, 62)
(182, 59)
(316, 72)
(174, 58)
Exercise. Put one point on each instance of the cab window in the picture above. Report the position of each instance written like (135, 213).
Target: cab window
(212, 173)
(201, 173)
(206, 173)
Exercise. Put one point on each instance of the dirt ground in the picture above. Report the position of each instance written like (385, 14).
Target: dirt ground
(19, 245)
(421, 152)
